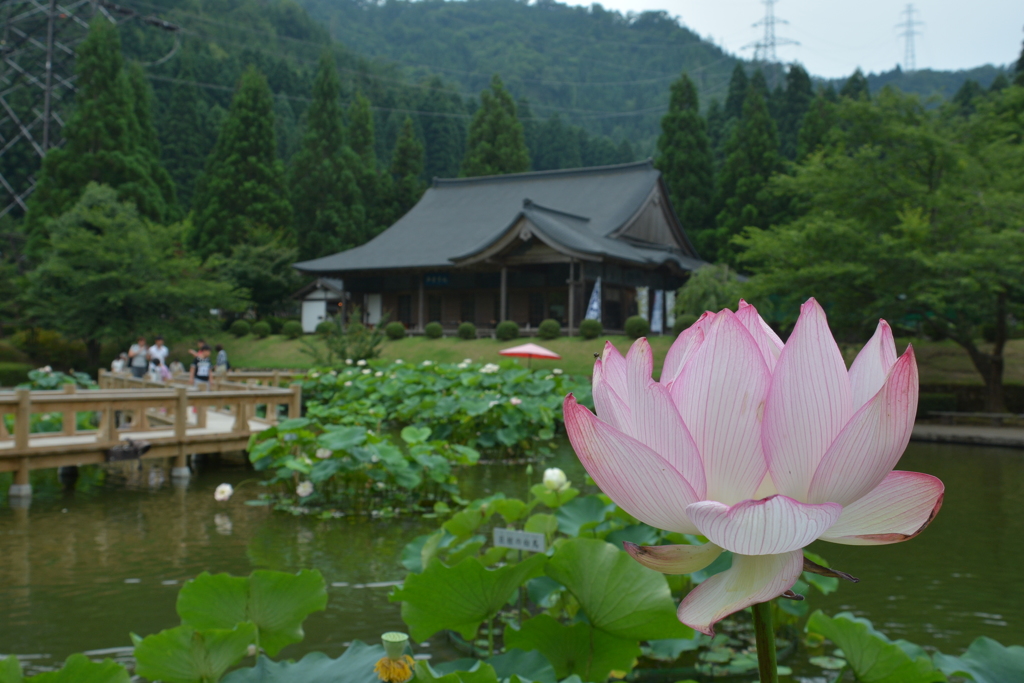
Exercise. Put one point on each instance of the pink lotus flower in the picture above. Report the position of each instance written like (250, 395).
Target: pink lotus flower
(758, 446)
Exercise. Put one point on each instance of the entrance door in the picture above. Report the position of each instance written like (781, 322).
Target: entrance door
(373, 308)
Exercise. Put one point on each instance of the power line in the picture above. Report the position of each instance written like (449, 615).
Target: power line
(909, 27)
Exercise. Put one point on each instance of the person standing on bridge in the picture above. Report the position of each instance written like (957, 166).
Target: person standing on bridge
(199, 374)
(138, 358)
(157, 356)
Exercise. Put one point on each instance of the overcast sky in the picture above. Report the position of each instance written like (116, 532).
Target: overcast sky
(837, 37)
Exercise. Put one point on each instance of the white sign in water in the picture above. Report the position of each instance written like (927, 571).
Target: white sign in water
(519, 540)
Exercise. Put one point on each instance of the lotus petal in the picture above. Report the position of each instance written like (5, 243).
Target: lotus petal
(720, 395)
(610, 406)
(774, 525)
(808, 404)
(751, 579)
(896, 510)
(683, 348)
(871, 444)
(767, 340)
(872, 365)
(674, 559)
(613, 365)
(639, 480)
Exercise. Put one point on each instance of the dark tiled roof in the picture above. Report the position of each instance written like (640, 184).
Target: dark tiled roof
(577, 208)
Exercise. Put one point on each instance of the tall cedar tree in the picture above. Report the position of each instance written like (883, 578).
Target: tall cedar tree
(184, 135)
(819, 120)
(149, 141)
(684, 157)
(496, 142)
(856, 87)
(329, 212)
(752, 158)
(103, 141)
(374, 185)
(795, 102)
(242, 193)
(738, 84)
(406, 170)
(1018, 79)
(444, 135)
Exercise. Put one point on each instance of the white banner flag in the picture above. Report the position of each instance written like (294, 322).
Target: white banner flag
(658, 313)
(594, 307)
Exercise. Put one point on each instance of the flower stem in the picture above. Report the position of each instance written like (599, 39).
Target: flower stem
(764, 632)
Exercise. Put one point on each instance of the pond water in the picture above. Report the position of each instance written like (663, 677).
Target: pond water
(80, 570)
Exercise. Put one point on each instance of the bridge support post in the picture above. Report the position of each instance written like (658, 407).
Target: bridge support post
(21, 488)
(179, 469)
(295, 406)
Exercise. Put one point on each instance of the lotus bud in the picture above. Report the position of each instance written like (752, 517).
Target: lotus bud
(555, 479)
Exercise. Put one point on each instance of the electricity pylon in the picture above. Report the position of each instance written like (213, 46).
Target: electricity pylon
(764, 49)
(909, 28)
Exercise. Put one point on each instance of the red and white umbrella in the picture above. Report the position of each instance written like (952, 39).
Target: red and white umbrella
(530, 351)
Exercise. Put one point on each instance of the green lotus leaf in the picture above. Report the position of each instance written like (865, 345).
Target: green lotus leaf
(186, 655)
(579, 649)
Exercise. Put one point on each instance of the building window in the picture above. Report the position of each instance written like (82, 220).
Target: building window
(433, 308)
(405, 309)
(536, 308)
(468, 308)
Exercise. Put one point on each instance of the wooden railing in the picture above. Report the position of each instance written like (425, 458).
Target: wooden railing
(233, 379)
(157, 414)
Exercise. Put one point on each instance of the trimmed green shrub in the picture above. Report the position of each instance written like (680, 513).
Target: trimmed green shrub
(682, 322)
(13, 374)
(591, 329)
(276, 324)
(395, 330)
(325, 328)
(549, 329)
(434, 330)
(9, 354)
(467, 331)
(927, 402)
(507, 330)
(292, 329)
(240, 328)
(637, 327)
(261, 329)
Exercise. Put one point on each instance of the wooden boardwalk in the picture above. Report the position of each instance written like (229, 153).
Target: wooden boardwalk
(176, 421)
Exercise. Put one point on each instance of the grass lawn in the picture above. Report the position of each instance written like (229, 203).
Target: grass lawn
(939, 362)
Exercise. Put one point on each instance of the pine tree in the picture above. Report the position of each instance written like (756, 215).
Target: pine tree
(999, 82)
(102, 141)
(444, 134)
(241, 196)
(147, 139)
(557, 146)
(185, 137)
(684, 158)
(716, 131)
(753, 156)
(329, 211)
(794, 105)
(624, 153)
(376, 187)
(964, 102)
(496, 144)
(819, 120)
(856, 87)
(406, 170)
(738, 84)
(361, 137)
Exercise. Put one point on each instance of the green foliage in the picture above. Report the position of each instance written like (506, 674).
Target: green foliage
(496, 144)
(440, 597)
(433, 330)
(13, 373)
(354, 341)
(685, 159)
(325, 327)
(682, 322)
(109, 274)
(330, 211)
(507, 330)
(591, 329)
(275, 602)
(263, 270)
(45, 378)
(710, 288)
(927, 402)
(637, 326)
(240, 328)
(986, 661)
(183, 131)
(406, 170)
(77, 669)
(856, 87)
(872, 656)
(467, 330)
(395, 330)
(444, 129)
(261, 329)
(792, 108)
(817, 122)
(355, 666)
(549, 329)
(105, 142)
(186, 655)
(579, 649)
(241, 194)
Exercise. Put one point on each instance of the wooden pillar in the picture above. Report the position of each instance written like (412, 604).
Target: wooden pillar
(68, 417)
(21, 488)
(503, 303)
(421, 318)
(572, 297)
(179, 468)
(102, 379)
(295, 406)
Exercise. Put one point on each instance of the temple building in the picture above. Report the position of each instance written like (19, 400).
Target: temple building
(522, 247)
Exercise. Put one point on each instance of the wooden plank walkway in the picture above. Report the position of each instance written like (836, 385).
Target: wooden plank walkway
(176, 421)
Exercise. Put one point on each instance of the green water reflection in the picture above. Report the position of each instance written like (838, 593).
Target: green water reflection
(79, 571)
